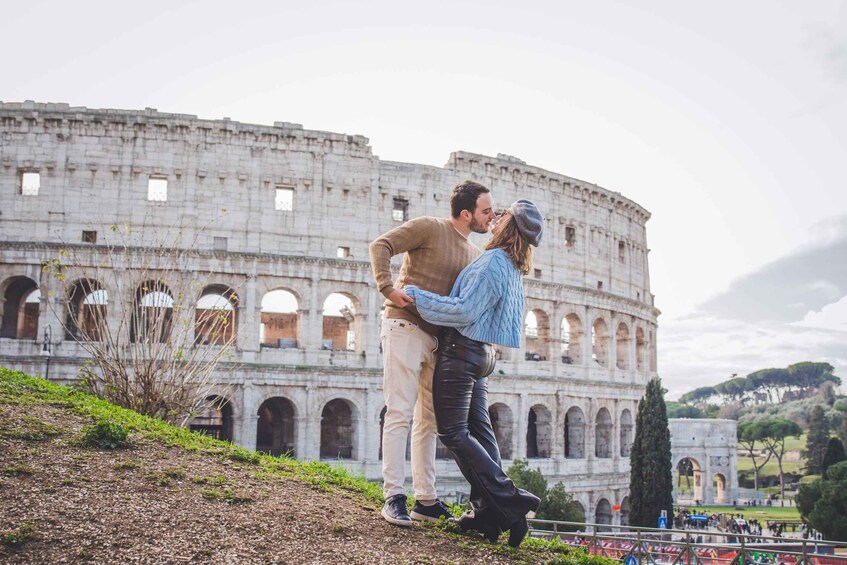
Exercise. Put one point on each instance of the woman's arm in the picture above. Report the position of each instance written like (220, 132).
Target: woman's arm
(478, 293)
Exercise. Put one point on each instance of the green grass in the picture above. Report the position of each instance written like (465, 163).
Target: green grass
(23, 390)
(788, 514)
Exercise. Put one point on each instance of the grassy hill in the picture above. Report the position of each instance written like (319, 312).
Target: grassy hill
(68, 492)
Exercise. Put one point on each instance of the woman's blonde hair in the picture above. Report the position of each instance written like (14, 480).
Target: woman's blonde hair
(515, 245)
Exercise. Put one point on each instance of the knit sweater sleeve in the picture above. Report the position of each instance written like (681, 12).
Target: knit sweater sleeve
(399, 240)
(479, 292)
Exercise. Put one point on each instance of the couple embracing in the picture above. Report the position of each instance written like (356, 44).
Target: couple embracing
(449, 305)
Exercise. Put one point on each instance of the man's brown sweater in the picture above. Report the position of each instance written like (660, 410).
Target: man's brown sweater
(435, 254)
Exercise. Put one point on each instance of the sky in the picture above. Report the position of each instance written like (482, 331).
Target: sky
(726, 120)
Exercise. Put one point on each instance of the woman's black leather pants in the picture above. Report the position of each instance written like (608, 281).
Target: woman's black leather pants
(460, 399)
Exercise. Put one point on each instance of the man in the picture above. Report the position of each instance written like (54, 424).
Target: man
(435, 252)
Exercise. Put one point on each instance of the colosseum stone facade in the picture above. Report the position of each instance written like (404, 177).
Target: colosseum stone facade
(301, 208)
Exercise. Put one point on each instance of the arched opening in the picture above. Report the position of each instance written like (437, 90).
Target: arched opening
(280, 323)
(626, 433)
(689, 484)
(215, 316)
(574, 433)
(719, 483)
(501, 421)
(603, 434)
(214, 418)
(87, 307)
(600, 342)
(537, 331)
(337, 430)
(622, 347)
(275, 427)
(625, 511)
(572, 340)
(340, 321)
(603, 513)
(538, 432)
(21, 302)
(152, 313)
(640, 349)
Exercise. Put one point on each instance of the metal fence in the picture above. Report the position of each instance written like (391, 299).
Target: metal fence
(651, 546)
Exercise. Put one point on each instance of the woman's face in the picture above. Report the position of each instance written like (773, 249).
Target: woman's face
(503, 219)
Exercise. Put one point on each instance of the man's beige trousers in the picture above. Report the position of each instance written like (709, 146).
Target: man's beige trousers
(409, 355)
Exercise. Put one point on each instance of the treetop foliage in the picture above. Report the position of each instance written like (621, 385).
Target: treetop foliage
(768, 385)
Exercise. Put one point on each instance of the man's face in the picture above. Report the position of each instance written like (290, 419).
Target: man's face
(484, 214)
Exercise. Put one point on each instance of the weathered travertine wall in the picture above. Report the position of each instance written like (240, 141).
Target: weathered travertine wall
(572, 405)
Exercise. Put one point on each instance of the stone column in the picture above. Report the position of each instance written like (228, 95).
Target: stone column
(586, 338)
(557, 442)
(249, 316)
(521, 425)
(246, 429)
(311, 319)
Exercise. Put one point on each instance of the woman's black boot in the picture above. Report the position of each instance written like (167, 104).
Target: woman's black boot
(468, 521)
(518, 532)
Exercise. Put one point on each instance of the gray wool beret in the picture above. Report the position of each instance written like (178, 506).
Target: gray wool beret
(529, 220)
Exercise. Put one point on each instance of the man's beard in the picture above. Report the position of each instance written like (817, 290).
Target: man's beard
(477, 227)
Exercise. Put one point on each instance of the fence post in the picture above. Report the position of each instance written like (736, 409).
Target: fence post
(639, 548)
(743, 556)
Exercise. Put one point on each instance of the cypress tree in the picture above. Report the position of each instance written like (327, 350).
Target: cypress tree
(816, 440)
(651, 480)
(834, 454)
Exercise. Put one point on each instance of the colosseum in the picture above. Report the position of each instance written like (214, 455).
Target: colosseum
(289, 260)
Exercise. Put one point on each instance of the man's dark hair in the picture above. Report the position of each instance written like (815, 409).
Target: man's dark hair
(464, 197)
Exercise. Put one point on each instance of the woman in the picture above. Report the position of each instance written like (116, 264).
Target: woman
(485, 307)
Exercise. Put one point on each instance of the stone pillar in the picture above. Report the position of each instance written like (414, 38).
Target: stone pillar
(249, 317)
(590, 436)
(557, 442)
(370, 423)
(616, 435)
(309, 443)
(521, 425)
(311, 319)
(587, 351)
(245, 430)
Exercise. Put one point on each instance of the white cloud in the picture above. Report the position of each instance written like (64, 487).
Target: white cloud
(832, 316)
(705, 350)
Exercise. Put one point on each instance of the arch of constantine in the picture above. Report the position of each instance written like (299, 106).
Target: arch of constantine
(705, 460)
(288, 215)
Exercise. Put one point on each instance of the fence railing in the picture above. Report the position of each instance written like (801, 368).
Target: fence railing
(652, 546)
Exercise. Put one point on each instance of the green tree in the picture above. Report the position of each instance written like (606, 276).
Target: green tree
(748, 433)
(769, 381)
(842, 431)
(823, 503)
(774, 432)
(679, 410)
(834, 454)
(559, 505)
(651, 480)
(698, 395)
(556, 502)
(528, 479)
(809, 375)
(816, 440)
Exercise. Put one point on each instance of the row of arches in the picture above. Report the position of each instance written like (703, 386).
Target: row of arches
(278, 418)
(153, 314)
(570, 341)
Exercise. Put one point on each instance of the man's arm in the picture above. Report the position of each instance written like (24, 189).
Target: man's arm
(403, 238)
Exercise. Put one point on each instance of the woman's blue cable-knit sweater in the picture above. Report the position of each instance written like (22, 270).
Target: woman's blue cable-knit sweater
(486, 303)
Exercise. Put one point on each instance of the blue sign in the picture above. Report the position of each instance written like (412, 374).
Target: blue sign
(663, 522)
(631, 560)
